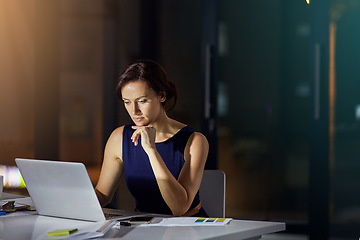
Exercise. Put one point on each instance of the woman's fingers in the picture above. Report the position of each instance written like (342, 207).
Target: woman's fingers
(135, 137)
(147, 133)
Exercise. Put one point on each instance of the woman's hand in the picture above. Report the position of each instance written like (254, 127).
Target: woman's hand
(147, 133)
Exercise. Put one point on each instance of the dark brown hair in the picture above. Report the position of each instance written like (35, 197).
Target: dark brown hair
(154, 75)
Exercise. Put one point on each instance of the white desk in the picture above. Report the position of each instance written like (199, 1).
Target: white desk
(35, 227)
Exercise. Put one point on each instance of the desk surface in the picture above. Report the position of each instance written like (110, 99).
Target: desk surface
(35, 227)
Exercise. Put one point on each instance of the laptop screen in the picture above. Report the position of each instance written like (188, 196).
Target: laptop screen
(60, 189)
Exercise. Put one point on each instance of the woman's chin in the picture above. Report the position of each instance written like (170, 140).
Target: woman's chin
(140, 124)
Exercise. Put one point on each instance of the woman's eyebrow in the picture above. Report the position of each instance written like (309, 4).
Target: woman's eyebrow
(135, 98)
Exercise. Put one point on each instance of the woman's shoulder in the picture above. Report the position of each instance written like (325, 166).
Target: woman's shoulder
(193, 135)
(118, 131)
(197, 144)
(114, 141)
(117, 134)
(198, 137)
(182, 127)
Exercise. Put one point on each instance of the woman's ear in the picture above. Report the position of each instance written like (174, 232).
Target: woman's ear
(162, 96)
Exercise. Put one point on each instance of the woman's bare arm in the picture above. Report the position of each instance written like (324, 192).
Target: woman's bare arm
(112, 168)
(178, 193)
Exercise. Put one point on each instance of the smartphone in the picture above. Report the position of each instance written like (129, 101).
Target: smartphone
(140, 220)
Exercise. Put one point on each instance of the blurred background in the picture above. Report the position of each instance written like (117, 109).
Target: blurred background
(274, 85)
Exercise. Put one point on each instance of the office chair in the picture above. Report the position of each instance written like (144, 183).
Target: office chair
(212, 193)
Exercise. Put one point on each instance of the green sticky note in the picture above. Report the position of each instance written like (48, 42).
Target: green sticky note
(199, 220)
(62, 232)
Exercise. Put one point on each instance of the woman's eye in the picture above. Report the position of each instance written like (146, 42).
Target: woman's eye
(142, 101)
(126, 102)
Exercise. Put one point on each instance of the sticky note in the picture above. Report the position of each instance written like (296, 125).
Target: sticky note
(199, 220)
(220, 219)
(62, 232)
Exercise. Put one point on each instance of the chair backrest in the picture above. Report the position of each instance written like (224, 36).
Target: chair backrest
(212, 193)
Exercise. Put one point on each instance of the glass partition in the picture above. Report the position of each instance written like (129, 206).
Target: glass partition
(263, 108)
(289, 78)
(345, 119)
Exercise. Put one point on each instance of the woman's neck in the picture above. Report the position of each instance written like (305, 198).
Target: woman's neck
(166, 128)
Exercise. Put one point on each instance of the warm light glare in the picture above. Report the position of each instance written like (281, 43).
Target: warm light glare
(308, 1)
(12, 177)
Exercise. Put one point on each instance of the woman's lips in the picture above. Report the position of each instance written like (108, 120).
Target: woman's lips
(138, 119)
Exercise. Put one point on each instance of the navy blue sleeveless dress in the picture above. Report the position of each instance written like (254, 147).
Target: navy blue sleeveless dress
(139, 175)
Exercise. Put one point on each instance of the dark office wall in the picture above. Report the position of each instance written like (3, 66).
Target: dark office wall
(180, 53)
(250, 67)
(47, 32)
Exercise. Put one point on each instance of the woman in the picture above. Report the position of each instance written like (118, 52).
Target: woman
(163, 159)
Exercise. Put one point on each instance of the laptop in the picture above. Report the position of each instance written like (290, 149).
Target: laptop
(63, 189)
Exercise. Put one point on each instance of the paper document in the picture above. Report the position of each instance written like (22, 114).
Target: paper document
(17, 214)
(190, 221)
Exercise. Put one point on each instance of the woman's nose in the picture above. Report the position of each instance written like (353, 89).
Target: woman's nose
(135, 109)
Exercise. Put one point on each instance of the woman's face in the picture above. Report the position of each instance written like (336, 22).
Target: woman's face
(141, 102)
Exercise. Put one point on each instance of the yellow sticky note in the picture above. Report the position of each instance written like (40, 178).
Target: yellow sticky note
(61, 232)
(220, 219)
